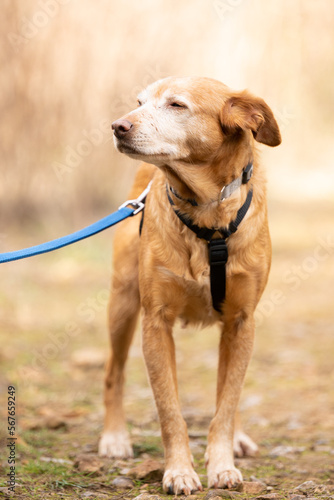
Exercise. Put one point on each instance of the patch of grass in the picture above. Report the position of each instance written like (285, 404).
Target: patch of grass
(44, 438)
(36, 467)
(151, 445)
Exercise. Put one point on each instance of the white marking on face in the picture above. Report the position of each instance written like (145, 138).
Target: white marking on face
(160, 126)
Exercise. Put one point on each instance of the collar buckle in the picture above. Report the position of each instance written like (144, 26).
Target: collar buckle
(247, 173)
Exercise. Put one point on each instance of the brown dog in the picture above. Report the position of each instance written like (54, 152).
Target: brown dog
(200, 135)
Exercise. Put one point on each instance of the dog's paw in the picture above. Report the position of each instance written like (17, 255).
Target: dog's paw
(177, 481)
(224, 478)
(115, 445)
(243, 445)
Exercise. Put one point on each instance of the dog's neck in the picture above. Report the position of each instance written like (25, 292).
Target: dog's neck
(203, 182)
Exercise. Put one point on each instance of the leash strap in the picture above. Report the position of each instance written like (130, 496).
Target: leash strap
(122, 213)
(95, 228)
(218, 251)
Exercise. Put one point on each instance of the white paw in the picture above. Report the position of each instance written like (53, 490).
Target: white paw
(115, 445)
(243, 445)
(230, 478)
(180, 481)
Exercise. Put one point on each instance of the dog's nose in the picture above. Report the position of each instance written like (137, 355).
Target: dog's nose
(121, 128)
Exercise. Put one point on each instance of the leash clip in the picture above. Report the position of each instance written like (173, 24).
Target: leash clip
(138, 203)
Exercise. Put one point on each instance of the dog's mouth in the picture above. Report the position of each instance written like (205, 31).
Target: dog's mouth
(137, 151)
(125, 146)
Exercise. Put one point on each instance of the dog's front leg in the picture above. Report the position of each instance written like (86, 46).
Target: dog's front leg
(159, 353)
(234, 354)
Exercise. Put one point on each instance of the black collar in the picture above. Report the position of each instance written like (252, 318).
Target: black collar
(207, 233)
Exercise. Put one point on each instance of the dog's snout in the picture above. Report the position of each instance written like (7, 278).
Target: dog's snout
(121, 128)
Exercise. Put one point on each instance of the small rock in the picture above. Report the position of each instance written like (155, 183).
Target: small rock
(55, 422)
(298, 497)
(146, 496)
(323, 489)
(293, 424)
(149, 470)
(252, 487)
(307, 487)
(88, 464)
(6, 492)
(256, 479)
(285, 451)
(322, 448)
(270, 496)
(218, 494)
(124, 483)
(49, 422)
(94, 495)
(61, 461)
(319, 442)
(125, 471)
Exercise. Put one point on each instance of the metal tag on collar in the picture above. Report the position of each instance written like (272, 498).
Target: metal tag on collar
(222, 197)
(138, 203)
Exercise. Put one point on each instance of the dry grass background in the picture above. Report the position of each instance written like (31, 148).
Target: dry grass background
(68, 69)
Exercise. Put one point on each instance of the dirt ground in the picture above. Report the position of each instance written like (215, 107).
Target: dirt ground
(54, 344)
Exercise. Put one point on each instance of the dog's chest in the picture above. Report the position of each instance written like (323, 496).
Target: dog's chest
(195, 285)
(198, 302)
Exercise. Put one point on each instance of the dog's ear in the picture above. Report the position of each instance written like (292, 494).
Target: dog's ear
(245, 111)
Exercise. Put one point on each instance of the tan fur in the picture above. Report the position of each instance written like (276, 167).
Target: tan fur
(198, 149)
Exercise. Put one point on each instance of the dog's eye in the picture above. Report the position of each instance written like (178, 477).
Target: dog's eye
(139, 103)
(177, 105)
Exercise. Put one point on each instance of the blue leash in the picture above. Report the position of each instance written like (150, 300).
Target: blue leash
(122, 213)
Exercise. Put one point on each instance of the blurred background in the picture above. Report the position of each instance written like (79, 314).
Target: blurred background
(71, 67)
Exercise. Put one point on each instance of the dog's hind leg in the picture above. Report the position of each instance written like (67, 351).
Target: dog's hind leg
(243, 445)
(123, 313)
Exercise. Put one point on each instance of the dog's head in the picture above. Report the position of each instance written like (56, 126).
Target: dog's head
(189, 119)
